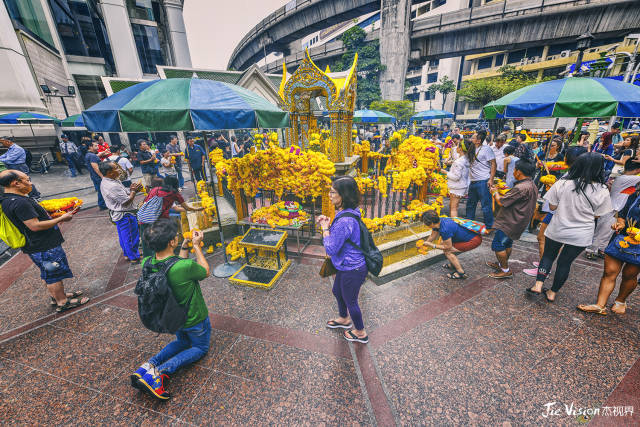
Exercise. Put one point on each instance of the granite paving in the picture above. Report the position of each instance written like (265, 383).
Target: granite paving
(442, 352)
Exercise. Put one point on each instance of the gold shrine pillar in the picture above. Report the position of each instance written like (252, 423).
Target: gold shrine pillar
(335, 149)
(327, 207)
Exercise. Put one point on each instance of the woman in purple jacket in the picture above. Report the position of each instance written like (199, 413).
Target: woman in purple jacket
(341, 239)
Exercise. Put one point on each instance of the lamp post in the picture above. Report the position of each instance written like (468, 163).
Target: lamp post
(415, 97)
(583, 42)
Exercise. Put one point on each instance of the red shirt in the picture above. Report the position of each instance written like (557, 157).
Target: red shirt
(168, 199)
(103, 150)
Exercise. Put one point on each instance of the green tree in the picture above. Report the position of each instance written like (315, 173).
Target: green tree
(369, 66)
(483, 91)
(433, 89)
(445, 87)
(401, 110)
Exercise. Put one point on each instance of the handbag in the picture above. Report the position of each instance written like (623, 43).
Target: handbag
(327, 269)
(150, 210)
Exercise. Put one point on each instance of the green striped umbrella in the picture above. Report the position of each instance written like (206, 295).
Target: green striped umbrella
(570, 97)
(74, 121)
(183, 105)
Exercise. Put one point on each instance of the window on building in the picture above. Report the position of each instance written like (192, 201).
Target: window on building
(434, 64)
(82, 30)
(517, 56)
(29, 16)
(90, 88)
(532, 52)
(432, 78)
(553, 72)
(556, 49)
(413, 81)
(140, 9)
(148, 46)
(484, 63)
(413, 97)
(499, 60)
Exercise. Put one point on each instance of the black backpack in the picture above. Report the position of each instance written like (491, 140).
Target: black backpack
(157, 306)
(372, 255)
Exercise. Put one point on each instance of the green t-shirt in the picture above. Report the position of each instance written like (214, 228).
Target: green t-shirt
(183, 278)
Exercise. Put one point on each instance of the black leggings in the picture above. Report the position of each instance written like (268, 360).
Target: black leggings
(568, 254)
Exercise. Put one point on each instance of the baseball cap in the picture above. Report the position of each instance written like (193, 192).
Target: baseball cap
(616, 125)
(64, 135)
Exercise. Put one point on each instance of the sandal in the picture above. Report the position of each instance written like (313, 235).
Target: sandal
(332, 324)
(457, 275)
(593, 308)
(591, 255)
(350, 336)
(530, 291)
(622, 307)
(74, 294)
(71, 303)
(546, 295)
(447, 266)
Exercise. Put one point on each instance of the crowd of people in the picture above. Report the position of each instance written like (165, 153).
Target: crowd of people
(590, 207)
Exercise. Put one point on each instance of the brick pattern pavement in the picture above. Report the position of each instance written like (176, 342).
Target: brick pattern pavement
(442, 352)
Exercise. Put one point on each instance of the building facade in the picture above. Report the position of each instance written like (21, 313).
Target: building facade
(57, 51)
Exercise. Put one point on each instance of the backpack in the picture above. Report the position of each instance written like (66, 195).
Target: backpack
(9, 233)
(471, 225)
(122, 174)
(157, 306)
(372, 255)
(150, 210)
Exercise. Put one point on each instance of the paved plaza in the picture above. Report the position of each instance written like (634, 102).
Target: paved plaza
(442, 352)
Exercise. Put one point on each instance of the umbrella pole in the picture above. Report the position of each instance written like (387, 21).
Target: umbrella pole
(546, 151)
(226, 269)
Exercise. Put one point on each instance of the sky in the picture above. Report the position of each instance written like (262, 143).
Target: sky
(214, 27)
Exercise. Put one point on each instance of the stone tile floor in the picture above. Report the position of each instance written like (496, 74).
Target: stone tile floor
(442, 352)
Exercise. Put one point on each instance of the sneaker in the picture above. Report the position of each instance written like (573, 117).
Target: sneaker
(153, 383)
(138, 374)
(533, 272)
(536, 264)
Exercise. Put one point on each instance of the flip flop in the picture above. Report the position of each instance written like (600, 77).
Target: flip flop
(74, 294)
(332, 324)
(593, 308)
(447, 266)
(493, 265)
(350, 336)
(534, 293)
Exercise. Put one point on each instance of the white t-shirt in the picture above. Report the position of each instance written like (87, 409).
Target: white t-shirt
(480, 169)
(167, 168)
(618, 199)
(573, 221)
(124, 163)
(499, 155)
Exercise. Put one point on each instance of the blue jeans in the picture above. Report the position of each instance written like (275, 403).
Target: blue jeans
(346, 288)
(190, 346)
(478, 191)
(96, 184)
(501, 242)
(71, 162)
(180, 177)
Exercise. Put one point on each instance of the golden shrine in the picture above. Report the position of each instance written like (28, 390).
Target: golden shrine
(339, 89)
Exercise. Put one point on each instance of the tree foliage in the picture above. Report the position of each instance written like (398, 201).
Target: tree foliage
(369, 65)
(483, 91)
(401, 110)
(445, 86)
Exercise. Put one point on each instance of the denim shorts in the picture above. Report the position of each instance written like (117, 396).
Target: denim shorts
(501, 242)
(53, 265)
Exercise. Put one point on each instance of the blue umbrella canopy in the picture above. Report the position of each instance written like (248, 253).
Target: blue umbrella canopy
(570, 97)
(372, 116)
(431, 114)
(183, 104)
(26, 117)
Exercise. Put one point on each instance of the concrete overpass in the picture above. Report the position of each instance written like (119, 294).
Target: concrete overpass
(509, 25)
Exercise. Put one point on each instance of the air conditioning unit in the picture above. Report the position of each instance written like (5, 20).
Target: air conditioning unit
(552, 57)
(565, 54)
(534, 59)
(523, 61)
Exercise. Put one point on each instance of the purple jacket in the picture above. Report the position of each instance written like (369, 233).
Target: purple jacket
(343, 255)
